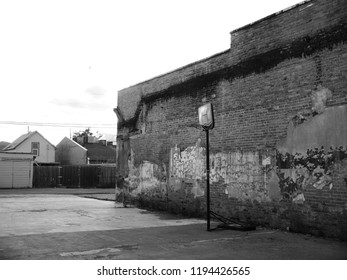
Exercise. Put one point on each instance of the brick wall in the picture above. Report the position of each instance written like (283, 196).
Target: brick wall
(282, 74)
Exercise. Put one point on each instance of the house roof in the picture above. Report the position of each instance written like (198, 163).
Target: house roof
(14, 155)
(98, 151)
(23, 138)
(108, 137)
(3, 144)
(72, 141)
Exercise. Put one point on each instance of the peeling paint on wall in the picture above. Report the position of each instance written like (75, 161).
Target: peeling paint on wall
(123, 153)
(272, 187)
(319, 98)
(240, 172)
(198, 188)
(327, 129)
(146, 178)
(188, 164)
(240, 167)
(151, 176)
(314, 169)
(300, 162)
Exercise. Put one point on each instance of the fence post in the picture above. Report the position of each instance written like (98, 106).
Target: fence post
(79, 176)
(100, 181)
(59, 176)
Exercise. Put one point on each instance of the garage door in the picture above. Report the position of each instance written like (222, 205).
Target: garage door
(5, 174)
(15, 173)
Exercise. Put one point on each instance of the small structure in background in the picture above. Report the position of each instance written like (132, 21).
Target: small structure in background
(34, 143)
(86, 148)
(16, 170)
(100, 153)
(17, 159)
(69, 152)
(101, 148)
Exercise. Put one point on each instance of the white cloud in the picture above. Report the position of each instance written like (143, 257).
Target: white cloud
(96, 92)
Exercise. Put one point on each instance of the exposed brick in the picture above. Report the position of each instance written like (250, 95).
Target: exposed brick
(256, 87)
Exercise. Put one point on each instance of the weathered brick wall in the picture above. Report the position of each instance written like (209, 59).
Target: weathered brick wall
(279, 90)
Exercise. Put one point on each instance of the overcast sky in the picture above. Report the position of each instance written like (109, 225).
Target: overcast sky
(64, 61)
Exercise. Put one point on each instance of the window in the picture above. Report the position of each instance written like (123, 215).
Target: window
(35, 148)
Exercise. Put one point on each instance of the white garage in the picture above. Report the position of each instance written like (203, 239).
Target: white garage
(16, 170)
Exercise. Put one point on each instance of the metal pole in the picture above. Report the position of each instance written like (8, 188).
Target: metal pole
(208, 180)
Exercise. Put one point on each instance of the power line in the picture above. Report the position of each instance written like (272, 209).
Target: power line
(59, 124)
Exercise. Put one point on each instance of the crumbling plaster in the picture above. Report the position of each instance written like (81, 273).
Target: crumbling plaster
(307, 156)
(246, 175)
(146, 178)
(242, 173)
(327, 129)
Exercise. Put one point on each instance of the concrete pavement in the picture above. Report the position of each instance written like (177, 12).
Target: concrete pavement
(48, 213)
(46, 225)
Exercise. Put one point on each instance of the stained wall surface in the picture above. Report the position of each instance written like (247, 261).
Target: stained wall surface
(278, 153)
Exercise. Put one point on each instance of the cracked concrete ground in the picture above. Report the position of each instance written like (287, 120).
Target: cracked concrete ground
(58, 224)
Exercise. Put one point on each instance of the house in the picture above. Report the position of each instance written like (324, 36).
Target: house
(100, 149)
(108, 139)
(35, 143)
(69, 152)
(278, 155)
(16, 169)
(100, 153)
(86, 150)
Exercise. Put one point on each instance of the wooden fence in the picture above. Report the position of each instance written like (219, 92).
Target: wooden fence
(46, 176)
(76, 176)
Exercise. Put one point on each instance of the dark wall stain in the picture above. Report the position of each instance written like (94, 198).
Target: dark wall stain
(313, 159)
(123, 154)
(318, 62)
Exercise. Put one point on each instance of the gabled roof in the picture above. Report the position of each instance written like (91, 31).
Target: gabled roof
(23, 138)
(3, 144)
(108, 137)
(66, 139)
